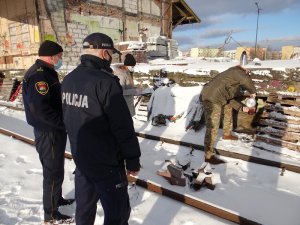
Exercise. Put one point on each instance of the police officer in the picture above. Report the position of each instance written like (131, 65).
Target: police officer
(101, 133)
(42, 102)
(221, 92)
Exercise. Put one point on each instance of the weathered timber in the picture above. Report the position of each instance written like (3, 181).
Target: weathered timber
(25, 139)
(278, 142)
(282, 118)
(234, 155)
(189, 200)
(286, 136)
(292, 100)
(281, 125)
(283, 109)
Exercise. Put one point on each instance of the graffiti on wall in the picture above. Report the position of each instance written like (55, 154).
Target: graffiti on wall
(49, 37)
(4, 43)
(69, 39)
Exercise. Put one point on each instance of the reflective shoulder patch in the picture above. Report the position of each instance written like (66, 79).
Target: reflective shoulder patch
(42, 87)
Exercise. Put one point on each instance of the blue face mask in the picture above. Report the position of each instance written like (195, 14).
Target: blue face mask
(58, 64)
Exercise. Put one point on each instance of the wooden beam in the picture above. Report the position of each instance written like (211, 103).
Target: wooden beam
(189, 200)
(248, 158)
(282, 125)
(284, 135)
(278, 142)
(284, 110)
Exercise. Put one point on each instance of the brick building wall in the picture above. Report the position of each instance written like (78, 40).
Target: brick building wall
(24, 26)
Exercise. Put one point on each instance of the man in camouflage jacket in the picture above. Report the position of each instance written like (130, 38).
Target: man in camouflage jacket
(220, 92)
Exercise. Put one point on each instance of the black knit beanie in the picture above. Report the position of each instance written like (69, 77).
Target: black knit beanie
(129, 60)
(49, 48)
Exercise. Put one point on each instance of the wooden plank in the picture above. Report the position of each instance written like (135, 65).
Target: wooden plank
(284, 102)
(286, 136)
(26, 139)
(283, 118)
(234, 155)
(282, 125)
(278, 142)
(284, 110)
(189, 200)
(284, 96)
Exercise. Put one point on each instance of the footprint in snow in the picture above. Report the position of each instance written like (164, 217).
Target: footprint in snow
(6, 219)
(22, 159)
(16, 189)
(35, 171)
(30, 214)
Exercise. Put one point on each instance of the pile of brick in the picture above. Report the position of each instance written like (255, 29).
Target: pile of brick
(157, 47)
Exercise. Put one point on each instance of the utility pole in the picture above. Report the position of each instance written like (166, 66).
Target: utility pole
(258, 10)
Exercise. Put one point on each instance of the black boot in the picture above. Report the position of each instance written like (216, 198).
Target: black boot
(57, 217)
(62, 201)
(214, 160)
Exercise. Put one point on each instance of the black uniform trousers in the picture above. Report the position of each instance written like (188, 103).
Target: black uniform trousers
(113, 195)
(51, 148)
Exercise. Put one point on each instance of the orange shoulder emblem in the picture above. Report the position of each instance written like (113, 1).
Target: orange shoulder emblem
(42, 87)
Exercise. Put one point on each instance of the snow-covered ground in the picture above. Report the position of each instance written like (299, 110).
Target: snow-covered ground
(21, 194)
(198, 66)
(253, 191)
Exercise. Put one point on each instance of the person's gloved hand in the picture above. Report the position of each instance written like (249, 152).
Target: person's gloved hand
(248, 110)
(245, 109)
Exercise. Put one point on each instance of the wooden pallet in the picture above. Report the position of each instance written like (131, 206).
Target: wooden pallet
(278, 142)
(141, 108)
(284, 110)
(281, 125)
(284, 135)
(280, 122)
(283, 118)
(293, 100)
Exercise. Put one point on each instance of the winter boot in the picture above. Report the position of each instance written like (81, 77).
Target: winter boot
(58, 218)
(230, 137)
(214, 160)
(62, 201)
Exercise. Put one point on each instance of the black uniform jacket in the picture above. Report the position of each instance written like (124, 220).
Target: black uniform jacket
(98, 121)
(42, 97)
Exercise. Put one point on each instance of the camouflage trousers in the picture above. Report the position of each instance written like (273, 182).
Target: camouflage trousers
(212, 114)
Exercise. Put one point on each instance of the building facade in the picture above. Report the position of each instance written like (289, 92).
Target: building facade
(290, 52)
(23, 26)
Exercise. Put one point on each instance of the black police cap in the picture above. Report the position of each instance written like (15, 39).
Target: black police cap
(99, 41)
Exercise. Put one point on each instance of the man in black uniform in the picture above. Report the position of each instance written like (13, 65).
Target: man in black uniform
(100, 129)
(42, 102)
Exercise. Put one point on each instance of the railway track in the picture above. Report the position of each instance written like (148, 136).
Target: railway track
(151, 186)
(234, 155)
(4, 104)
